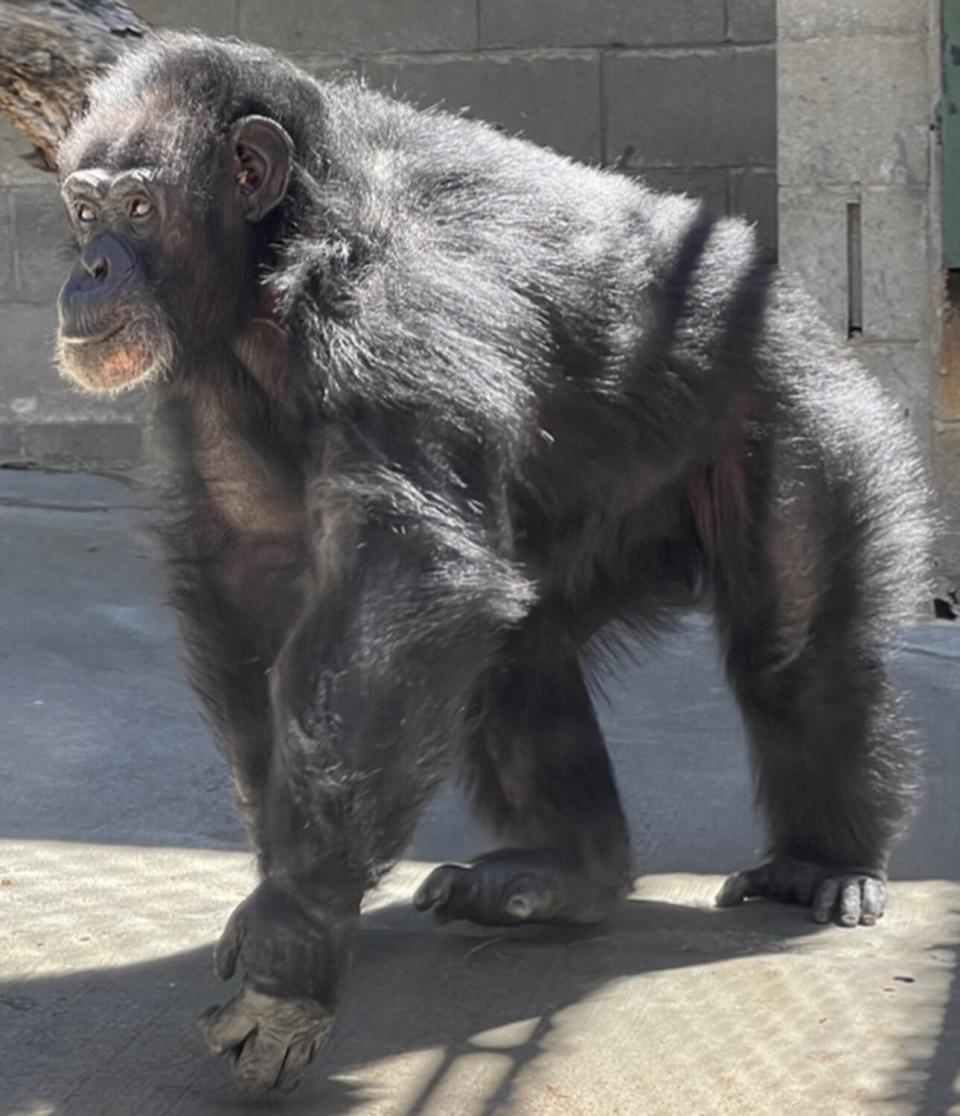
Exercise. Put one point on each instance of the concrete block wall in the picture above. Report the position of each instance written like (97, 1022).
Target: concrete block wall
(682, 93)
(859, 88)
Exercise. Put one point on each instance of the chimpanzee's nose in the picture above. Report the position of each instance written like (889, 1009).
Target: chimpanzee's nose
(97, 266)
(105, 265)
(103, 281)
(107, 260)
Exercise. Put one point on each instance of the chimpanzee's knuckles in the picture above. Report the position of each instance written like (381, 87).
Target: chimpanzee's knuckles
(273, 1038)
(299, 1056)
(874, 900)
(847, 895)
(287, 1029)
(437, 888)
(735, 889)
(294, 954)
(258, 1066)
(851, 899)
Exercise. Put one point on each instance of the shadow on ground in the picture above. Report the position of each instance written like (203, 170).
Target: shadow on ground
(457, 995)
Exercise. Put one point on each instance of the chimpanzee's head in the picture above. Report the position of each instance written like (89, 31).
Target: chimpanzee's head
(164, 201)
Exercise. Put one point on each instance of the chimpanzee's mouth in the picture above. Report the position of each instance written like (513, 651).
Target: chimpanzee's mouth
(97, 338)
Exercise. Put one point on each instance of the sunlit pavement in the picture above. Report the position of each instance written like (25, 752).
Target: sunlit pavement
(120, 859)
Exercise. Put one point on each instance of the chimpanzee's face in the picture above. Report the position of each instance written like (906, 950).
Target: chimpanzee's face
(114, 332)
(163, 264)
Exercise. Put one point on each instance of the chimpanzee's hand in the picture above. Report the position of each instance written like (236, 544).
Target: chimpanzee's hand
(295, 955)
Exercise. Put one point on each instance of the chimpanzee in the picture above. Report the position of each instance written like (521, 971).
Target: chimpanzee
(434, 406)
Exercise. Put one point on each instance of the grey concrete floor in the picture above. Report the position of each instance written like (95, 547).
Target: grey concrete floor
(120, 859)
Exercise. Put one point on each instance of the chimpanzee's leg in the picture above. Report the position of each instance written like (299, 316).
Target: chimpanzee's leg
(539, 772)
(835, 765)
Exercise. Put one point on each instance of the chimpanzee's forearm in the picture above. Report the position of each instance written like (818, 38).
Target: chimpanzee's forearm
(369, 694)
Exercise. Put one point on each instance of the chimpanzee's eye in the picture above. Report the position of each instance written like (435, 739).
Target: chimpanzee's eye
(141, 207)
(86, 213)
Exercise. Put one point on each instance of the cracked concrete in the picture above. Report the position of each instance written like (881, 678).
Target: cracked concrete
(120, 858)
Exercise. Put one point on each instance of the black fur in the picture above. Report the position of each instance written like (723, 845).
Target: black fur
(523, 399)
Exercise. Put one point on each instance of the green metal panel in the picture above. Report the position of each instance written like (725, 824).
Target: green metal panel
(950, 124)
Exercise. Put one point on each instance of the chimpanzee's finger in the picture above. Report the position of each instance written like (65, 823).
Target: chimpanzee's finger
(224, 1027)
(744, 885)
(825, 899)
(850, 903)
(437, 887)
(299, 1056)
(874, 901)
(261, 1061)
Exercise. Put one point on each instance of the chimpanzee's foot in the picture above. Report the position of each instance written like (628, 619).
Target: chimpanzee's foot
(514, 886)
(851, 895)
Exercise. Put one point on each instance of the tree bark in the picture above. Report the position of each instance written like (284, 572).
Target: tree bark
(50, 50)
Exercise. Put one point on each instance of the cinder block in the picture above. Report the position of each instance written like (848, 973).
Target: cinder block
(213, 17)
(553, 101)
(360, 26)
(752, 21)
(854, 110)
(753, 193)
(692, 108)
(328, 67)
(82, 443)
(26, 356)
(813, 246)
(815, 19)
(709, 185)
(8, 279)
(42, 230)
(31, 391)
(897, 270)
(563, 23)
(905, 369)
(10, 442)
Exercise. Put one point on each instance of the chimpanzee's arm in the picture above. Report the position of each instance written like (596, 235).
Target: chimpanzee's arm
(368, 694)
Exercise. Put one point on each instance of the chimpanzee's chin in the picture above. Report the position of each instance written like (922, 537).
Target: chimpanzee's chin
(112, 366)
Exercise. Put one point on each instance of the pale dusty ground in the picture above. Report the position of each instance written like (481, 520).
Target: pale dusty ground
(120, 859)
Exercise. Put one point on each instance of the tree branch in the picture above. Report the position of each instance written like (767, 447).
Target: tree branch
(50, 50)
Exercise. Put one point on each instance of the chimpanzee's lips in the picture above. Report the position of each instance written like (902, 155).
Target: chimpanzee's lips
(96, 338)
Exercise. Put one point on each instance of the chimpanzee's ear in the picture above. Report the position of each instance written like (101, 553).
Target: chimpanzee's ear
(262, 162)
